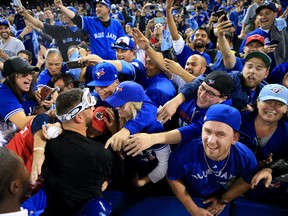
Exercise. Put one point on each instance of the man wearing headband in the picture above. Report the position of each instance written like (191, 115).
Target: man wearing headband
(102, 29)
(72, 159)
(216, 166)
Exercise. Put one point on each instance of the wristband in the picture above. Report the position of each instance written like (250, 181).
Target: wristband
(39, 148)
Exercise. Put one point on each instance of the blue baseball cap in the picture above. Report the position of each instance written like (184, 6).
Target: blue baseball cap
(4, 22)
(269, 5)
(124, 43)
(126, 91)
(72, 9)
(103, 74)
(225, 114)
(274, 92)
(104, 2)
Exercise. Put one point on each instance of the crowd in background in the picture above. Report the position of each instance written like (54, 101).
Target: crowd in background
(142, 81)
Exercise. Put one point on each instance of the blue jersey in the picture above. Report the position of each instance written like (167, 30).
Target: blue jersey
(237, 19)
(10, 106)
(278, 73)
(277, 143)
(160, 89)
(187, 52)
(201, 18)
(102, 38)
(31, 43)
(45, 77)
(187, 163)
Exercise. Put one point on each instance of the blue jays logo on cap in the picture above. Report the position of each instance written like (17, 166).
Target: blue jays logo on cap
(119, 88)
(276, 90)
(100, 73)
(211, 81)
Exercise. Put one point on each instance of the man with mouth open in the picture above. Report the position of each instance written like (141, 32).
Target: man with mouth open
(216, 167)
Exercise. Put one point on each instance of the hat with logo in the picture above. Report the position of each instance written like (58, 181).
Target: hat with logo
(104, 2)
(274, 92)
(103, 74)
(220, 81)
(255, 37)
(18, 65)
(97, 121)
(126, 91)
(264, 57)
(269, 5)
(4, 22)
(124, 43)
(225, 114)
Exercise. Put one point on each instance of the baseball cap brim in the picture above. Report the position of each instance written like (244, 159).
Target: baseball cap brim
(263, 56)
(100, 83)
(120, 47)
(115, 101)
(269, 97)
(262, 7)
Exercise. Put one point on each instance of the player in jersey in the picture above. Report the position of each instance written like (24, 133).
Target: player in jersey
(17, 97)
(216, 167)
(65, 36)
(102, 29)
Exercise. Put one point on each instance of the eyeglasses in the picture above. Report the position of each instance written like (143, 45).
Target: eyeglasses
(87, 102)
(25, 75)
(121, 107)
(207, 92)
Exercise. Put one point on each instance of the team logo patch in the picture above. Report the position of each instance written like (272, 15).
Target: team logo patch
(119, 88)
(100, 73)
(276, 90)
(211, 82)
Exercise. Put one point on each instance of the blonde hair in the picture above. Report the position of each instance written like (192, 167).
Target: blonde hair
(135, 107)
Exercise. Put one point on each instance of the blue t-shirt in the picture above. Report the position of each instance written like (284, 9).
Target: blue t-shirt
(187, 163)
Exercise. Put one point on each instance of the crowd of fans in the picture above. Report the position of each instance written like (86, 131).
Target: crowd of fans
(149, 97)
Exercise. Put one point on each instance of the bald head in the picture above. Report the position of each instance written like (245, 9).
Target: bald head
(196, 65)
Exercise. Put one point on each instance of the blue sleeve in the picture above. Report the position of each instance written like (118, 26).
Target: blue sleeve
(128, 70)
(146, 115)
(238, 65)
(189, 90)
(184, 55)
(191, 131)
(43, 78)
(278, 73)
(38, 121)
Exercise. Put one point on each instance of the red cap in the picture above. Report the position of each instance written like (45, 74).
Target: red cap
(255, 37)
(97, 121)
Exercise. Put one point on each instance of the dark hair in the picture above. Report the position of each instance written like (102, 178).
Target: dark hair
(67, 79)
(204, 29)
(10, 81)
(26, 52)
(8, 166)
(67, 100)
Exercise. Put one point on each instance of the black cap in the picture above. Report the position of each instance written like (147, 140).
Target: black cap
(220, 81)
(17, 64)
(269, 5)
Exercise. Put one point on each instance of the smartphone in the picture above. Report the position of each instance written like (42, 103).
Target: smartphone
(159, 20)
(47, 21)
(153, 7)
(74, 64)
(47, 91)
(274, 42)
(219, 13)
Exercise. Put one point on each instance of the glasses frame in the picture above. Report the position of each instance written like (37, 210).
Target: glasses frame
(209, 93)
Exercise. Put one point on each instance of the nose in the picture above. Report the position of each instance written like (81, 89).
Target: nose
(211, 139)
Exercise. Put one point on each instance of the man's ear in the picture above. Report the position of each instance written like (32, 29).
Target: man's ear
(15, 186)
(235, 137)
